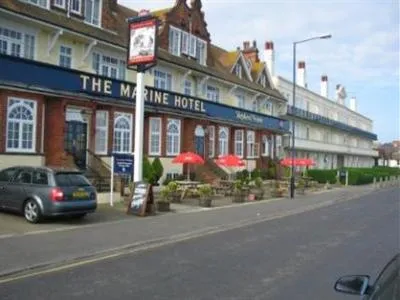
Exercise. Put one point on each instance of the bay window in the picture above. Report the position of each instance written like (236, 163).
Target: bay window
(182, 42)
(155, 136)
(21, 125)
(239, 142)
(17, 43)
(173, 136)
(212, 93)
(162, 80)
(108, 66)
(101, 138)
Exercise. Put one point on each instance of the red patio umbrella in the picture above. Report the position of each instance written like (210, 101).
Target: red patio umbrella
(188, 158)
(230, 160)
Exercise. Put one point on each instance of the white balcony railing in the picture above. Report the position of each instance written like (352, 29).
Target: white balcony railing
(321, 146)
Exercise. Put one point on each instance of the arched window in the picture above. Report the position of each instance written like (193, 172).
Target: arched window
(223, 141)
(123, 133)
(173, 136)
(21, 118)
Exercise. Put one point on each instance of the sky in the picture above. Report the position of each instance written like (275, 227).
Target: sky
(362, 55)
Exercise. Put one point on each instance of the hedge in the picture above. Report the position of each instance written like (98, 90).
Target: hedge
(357, 176)
(322, 176)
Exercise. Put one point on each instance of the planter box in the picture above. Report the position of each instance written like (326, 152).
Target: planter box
(205, 202)
(163, 206)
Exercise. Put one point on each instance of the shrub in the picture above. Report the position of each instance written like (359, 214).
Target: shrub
(158, 169)
(256, 173)
(148, 171)
(322, 176)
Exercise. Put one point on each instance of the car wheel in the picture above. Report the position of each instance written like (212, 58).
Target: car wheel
(32, 211)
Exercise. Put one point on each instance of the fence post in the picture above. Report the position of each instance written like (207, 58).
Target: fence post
(347, 178)
(374, 183)
(380, 182)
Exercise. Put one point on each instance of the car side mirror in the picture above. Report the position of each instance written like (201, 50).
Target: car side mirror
(353, 284)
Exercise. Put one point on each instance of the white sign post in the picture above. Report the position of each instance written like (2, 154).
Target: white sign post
(142, 55)
(112, 182)
(139, 126)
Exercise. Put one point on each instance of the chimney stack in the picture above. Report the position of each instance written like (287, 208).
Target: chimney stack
(269, 57)
(340, 94)
(301, 74)
(353, 104)
(324, 86)
(246, 45)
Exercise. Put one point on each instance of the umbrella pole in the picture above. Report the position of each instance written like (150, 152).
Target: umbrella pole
(188, 174)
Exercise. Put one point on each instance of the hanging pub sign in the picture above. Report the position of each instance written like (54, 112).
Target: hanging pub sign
(142, 49)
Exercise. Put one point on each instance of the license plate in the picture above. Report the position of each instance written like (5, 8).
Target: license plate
(80, 195)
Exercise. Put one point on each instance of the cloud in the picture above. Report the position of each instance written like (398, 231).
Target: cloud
(364, 47)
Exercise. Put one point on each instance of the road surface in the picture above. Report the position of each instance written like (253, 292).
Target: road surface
(295, 257)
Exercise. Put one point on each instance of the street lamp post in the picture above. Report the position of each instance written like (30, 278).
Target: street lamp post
(292, 178)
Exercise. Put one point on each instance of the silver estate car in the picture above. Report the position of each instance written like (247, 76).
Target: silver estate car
(39, 192)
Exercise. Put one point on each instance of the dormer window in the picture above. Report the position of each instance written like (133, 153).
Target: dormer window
(41, 3)
(238, 70)
(182, 42)
(92, 12)
(60, 3)
(76, 6)
(263, 80)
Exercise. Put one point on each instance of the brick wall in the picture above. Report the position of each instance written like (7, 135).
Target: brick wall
(54, 124)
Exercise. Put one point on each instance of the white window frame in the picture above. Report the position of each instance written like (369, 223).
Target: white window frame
(278, 144)
(211, 141)
(241, 101)
(79, 12)
(26, 39)
(239, 142)
(129, 117)
(251, 144)
(119, 67)
(238, 70)
(64, 55)
(266, 145)
(192, 45)
(213, 93)
(263, 80)
(161, 76)
(255, 106)
(223, 143)
(272, 146)
(92, 16)
(188, 87)
(37, 3)
(63, 5)
(173, 136)
(201, 54)
(174, 40)
(103, 128)
(22, 102)
(185, 42)
(154, 135)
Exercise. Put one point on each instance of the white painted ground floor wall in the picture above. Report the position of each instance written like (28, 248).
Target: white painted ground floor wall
(324, 160)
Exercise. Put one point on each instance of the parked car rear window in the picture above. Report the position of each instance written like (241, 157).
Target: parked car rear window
(71, 179)
(7, 174)
(40, 177)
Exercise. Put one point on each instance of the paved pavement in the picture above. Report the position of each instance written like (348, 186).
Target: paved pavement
(42, 248)
(296, 257)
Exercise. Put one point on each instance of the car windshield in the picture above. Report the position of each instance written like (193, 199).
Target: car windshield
(71, 179)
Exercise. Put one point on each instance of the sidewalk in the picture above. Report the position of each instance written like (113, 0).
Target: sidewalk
(30, 251)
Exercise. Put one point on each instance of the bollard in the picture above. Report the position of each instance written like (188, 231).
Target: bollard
(387, 181)
(374, 183)
(380, 182)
